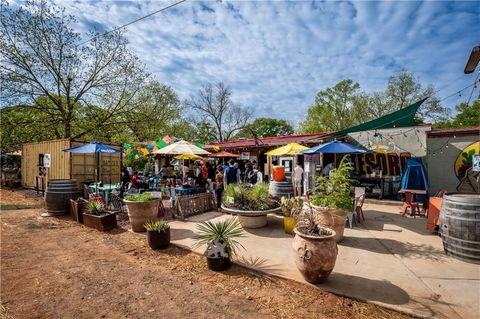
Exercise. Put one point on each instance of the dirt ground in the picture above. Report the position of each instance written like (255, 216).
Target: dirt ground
(18, 196)
(56, 268)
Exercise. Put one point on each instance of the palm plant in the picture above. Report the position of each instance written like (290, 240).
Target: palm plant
(223, 232)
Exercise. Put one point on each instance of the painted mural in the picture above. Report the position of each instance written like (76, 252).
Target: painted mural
(465, 159)
(391, 164)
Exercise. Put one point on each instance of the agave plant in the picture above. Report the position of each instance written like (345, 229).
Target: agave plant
(95, 207)
(223, 232)
(157, 225)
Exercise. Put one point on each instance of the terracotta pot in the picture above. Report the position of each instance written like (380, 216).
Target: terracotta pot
(289, 224)
(140, 212)
(314, 256)
(333, 218)
(158, 239)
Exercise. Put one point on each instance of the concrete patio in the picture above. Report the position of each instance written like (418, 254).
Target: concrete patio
(389, 260)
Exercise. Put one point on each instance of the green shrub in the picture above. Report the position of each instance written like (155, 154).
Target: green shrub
(144, 197)
(334, 192)
(158, 225)
(243, 197)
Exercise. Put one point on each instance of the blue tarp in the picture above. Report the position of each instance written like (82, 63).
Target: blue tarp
(94, 147)
(415, 176)
(336, 147)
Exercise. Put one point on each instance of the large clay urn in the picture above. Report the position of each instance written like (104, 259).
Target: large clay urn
(140, 212)
(314, 256)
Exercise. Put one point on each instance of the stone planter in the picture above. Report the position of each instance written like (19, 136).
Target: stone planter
(333, 218)
(314, 256)
(251, 218)
(140, 212)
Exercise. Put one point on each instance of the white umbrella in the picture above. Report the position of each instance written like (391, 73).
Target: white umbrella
(181, 148)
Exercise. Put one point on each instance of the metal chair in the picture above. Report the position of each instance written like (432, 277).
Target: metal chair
(115, 204)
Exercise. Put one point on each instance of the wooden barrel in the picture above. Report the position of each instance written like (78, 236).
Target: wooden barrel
(279, 189)
(58, 195)
(460, 226)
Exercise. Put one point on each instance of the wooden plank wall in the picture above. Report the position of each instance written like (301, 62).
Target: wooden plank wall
(60, 168)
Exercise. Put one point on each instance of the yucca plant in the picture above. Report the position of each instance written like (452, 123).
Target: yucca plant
(223, 232)
(157, 225)
(291, 206)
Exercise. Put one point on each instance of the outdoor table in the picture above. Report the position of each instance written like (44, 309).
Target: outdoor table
(183, 191)
(105, 190)
(413, 191)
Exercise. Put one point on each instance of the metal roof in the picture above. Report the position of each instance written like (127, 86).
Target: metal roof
(454, 131)
(267, 141)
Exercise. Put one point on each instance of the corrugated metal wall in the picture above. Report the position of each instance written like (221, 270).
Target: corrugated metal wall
(60, 168)
(68, 165)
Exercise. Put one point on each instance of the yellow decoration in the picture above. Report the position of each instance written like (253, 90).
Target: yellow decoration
(187, 157)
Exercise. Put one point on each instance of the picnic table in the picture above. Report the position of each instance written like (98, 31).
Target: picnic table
(104, 190)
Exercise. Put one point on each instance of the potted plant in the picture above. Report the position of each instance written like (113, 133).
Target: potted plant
(76, 209)
(98, 217)
(219, 237)
(332, 199)
(291, 207)
(251, 204)
(158, 234)
(141, 207)
(314, 247)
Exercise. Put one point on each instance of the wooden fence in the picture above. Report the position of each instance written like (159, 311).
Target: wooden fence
(189, 205)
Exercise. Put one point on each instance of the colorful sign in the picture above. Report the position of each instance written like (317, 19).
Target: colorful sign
(389, 164)
(465, 159)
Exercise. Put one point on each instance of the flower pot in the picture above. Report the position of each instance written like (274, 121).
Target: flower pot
(289, 224)
(104, 222)
(158, 239)
(140, 212)
(314, 256)
(333, 218)
(76, 209)
(218, 263)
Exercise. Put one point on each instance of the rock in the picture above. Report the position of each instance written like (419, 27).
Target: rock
(147, 293)
(190, 282)
(151, 310)
(249, 298)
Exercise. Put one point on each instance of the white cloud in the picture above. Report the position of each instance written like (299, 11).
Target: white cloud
(277, 55)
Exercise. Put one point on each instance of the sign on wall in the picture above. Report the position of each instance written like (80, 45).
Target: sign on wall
(389, 164)
(245, 155)
(47, 160)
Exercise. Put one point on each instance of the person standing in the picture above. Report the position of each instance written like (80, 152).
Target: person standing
(125, 181)
(255, 176)
(219, 188)
(231, 174)
(298, 178)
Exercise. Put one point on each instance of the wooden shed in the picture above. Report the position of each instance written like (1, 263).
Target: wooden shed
(64, 165)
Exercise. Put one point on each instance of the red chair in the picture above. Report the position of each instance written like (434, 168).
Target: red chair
(359, 199)
(410, 203)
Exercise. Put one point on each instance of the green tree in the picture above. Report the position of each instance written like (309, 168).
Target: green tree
(466, 116)
(336, 108)
(404, 89)
(264, 127)
(42, 56)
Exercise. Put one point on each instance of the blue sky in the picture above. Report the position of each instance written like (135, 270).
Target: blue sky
(277, 55)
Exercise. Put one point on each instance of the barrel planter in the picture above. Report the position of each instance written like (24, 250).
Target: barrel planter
(251, 218)
(58, 194)
(140, 212)
(315, 256)
(460, 226)
(279, 189)
(333, 218)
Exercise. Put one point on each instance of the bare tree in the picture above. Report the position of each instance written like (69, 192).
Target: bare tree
(44, 59)
(214, 105)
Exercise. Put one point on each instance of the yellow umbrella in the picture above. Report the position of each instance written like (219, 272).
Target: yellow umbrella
(187, 157)
(289, 149)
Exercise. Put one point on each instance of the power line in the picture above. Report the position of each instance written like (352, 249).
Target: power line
(132, 22)
(458, 92)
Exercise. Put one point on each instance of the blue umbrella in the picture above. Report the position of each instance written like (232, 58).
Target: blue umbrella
(336, 147)
(94, 147)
